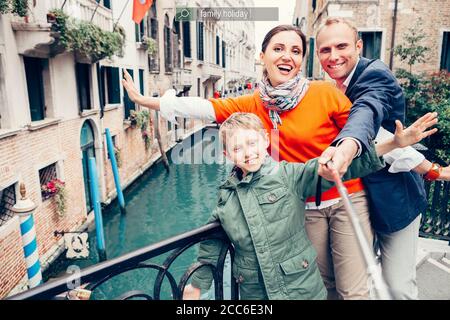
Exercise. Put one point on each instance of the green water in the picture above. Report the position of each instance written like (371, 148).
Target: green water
(159, 205)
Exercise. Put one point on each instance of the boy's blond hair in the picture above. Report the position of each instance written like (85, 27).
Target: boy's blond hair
(240, 120)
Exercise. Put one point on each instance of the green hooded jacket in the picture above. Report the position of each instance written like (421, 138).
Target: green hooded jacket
(263, 215)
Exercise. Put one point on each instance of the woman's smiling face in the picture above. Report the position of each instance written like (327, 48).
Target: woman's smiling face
(283, 57)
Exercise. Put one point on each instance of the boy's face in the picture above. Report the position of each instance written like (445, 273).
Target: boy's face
(247, 148)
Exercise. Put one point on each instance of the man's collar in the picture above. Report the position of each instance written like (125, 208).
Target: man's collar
(350, 76)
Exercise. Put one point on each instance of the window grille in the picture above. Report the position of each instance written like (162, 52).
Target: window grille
(7, 201)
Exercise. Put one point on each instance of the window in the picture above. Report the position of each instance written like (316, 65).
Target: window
(176, 41)
(187, 39)
(372, 44)
(167, 45)
(218, 50)
(113, 84)
(314, 5)
(127, 103)
(7, 201)
(311, 58)
(152, 32)
(139, 31)
(198, 87)
(223, 54)
(445, 54)
(35, 86)
(46, 175)
(83, 75)
(105, 3)
(200, 54)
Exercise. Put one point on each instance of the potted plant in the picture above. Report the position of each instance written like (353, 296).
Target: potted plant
(141, 119)
(55, 189)
(89, 43)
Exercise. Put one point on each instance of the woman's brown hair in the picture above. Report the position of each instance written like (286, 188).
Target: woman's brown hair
(281, 28)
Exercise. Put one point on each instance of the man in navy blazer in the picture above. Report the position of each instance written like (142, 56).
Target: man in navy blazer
(396, 199)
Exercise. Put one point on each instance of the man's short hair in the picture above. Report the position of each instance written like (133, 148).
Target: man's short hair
(335, 20)
(240, 120)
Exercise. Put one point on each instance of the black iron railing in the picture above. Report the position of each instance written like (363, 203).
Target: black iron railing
(435, 221)
(92, 277)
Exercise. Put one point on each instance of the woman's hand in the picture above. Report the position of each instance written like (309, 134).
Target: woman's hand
(415, 132)
(135, 96)
(128, 84)
(191, 293)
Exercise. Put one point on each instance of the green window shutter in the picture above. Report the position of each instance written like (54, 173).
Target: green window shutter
(200, 55)
(35, 86)
(113, 82)
(223, 54)
(187, 39)
(217, 50)
(101, 85)
(141, 81)
(445, 54)
(127, 103)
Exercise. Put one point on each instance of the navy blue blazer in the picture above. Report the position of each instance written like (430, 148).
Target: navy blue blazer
(395, 199)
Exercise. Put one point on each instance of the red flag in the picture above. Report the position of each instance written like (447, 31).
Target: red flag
(140, 8)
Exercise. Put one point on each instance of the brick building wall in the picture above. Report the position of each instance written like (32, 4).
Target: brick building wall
(377, 16)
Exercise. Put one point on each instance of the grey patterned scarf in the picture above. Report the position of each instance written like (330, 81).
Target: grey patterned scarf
(282, 98)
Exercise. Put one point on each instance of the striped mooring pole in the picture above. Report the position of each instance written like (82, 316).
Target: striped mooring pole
(24, 208)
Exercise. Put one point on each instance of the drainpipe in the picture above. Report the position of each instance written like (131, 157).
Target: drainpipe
(394, 24)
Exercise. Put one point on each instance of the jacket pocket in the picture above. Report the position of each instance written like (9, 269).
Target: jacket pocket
(250, 282)
(301, 275)
(299, 263)
(274, 204)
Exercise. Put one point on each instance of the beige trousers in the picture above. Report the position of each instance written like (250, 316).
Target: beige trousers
(339, 257)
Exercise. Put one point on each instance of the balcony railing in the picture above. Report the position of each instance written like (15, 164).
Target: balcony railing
(182, 77)
(92, 277)
(435, 221)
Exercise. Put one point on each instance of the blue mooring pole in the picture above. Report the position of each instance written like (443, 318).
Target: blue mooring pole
(112, 157)
(97, 209)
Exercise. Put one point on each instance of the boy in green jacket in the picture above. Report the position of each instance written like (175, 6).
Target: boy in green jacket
(262, 210)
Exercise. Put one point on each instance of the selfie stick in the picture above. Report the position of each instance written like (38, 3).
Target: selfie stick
(381, 289)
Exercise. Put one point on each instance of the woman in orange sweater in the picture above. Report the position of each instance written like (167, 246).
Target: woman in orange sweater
(304, 118)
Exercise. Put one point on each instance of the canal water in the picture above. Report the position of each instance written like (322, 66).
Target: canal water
(159, 205)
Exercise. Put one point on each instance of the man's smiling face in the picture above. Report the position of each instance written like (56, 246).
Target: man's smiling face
(338, 50)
